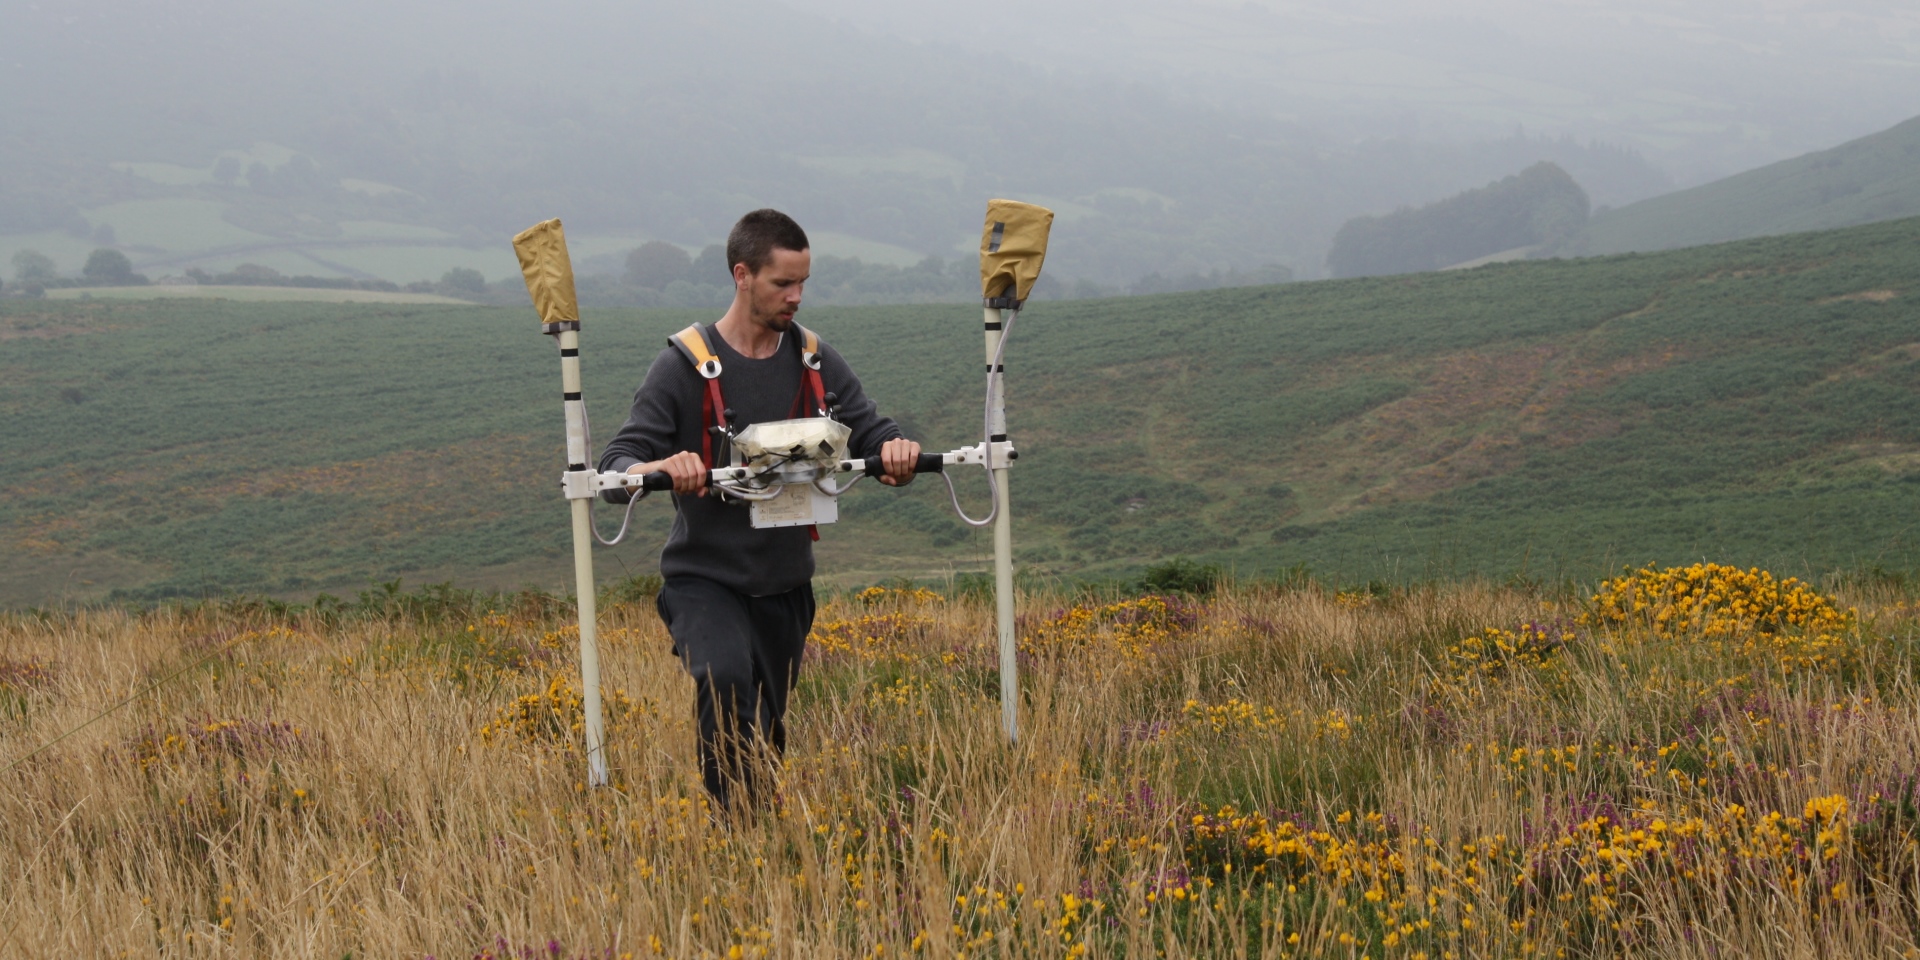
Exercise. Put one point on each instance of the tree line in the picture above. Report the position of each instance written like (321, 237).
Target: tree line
(654, 274)
(658, 273)
(1540, 208)
(35, 272)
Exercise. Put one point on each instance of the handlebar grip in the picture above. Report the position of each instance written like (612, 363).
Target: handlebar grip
(657, 480)
(926, 463)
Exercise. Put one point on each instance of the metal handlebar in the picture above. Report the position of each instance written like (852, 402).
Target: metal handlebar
(660, 480)
(926, 463)
(587, 483)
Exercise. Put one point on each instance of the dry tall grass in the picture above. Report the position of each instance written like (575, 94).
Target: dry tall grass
(1455, 771)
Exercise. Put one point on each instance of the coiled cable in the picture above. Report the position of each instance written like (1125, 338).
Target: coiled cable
(986, 434)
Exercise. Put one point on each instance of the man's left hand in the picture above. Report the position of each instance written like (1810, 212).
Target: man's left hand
(898, 456)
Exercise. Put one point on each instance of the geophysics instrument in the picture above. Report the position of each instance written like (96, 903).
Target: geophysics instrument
(789, 472)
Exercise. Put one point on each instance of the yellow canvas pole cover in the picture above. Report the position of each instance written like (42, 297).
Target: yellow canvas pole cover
(542, 249)
(1013, 244)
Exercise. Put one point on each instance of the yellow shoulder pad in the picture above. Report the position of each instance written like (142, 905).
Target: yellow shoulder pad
(693, 345)
(809, 347)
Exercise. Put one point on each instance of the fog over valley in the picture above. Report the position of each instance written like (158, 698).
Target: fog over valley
(1183, 145)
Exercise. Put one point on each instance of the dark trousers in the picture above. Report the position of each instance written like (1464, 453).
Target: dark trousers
(744, 656)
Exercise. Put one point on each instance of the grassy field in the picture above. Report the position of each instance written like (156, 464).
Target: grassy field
(1683, 763)
(1752, 402)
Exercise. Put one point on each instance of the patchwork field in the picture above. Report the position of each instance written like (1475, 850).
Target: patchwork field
(1700, 762)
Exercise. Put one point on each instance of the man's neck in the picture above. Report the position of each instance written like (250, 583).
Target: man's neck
(755, 341)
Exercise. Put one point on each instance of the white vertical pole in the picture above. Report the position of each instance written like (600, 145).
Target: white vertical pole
(1002, 531)
(577, 454)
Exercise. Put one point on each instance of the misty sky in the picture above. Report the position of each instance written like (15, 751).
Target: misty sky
(1237, 134)
(1702, 87)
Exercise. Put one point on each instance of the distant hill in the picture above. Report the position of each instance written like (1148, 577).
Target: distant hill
(1862, 181)
(1753, 403)
(1538, 208)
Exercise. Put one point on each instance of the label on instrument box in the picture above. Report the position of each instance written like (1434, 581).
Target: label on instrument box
(798, 505)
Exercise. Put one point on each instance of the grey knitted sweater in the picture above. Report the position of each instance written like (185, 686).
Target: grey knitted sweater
(711, 539)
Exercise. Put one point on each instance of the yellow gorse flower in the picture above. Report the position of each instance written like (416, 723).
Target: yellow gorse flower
(556, 717)
(1731, 612)
(1131, 628)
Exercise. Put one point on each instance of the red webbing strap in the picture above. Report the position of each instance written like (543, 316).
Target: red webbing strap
(810, 381)
(692, 344)
(712, 408)
(811, 401)
(819, 392)
(816, 405)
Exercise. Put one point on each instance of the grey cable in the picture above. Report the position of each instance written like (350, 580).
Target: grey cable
(633, 496)
(986, 434)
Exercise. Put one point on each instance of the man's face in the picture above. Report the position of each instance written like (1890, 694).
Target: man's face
(773, 294)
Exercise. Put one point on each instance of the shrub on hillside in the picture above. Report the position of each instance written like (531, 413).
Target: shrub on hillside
(31, 266)
(1181, 575)
(110, 268)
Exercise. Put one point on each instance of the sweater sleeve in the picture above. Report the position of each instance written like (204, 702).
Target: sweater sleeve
(857, 410)
(653, 424)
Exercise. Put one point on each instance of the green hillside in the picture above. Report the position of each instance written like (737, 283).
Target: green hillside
(1751, 402)
(1862, 181)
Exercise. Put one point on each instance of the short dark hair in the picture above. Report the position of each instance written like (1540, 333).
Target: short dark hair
(753, 240)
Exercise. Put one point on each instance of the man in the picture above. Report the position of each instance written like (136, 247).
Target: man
(738, 601)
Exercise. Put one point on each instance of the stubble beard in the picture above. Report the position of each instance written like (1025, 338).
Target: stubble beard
(778, 317)
(779, 320)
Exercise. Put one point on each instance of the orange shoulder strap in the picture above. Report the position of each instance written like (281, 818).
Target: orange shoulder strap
(812, 399)
(692, 344)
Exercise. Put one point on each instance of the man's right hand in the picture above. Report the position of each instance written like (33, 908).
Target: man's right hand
(688, 473)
